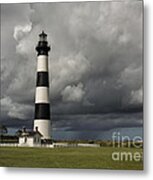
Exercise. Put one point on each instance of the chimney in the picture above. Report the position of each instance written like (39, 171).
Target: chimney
(24, 129)
(36, 128)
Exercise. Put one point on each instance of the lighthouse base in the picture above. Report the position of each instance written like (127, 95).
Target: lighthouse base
(44, 127)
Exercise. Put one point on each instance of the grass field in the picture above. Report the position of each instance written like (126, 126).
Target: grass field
(96, 158)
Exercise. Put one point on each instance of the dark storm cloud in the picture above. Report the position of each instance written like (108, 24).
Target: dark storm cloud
(95, 63)
(97, 122)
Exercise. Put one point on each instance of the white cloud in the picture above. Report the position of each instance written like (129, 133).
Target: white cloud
(73, 93)
(21, 31)
(137, 97)
(67, 70)
(13, 109)
(131, 77)
(25, 42)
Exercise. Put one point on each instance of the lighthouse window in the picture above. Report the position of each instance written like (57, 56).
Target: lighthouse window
(43, 38)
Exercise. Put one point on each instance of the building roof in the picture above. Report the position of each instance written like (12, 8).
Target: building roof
(30, 133)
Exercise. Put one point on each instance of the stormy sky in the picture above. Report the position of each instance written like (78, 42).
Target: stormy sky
(95, 64)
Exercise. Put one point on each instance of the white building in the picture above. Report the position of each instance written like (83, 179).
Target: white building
(30, 138)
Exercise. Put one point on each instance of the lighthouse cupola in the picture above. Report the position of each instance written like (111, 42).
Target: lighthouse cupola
(42, 47)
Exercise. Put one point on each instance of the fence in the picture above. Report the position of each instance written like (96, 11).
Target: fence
(9, 144)
(54, 145)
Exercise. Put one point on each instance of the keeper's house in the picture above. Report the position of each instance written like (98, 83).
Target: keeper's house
(30, 138)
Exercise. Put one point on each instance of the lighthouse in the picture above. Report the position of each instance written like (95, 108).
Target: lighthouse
(42, 105)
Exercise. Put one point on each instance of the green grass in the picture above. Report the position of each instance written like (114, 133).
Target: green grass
(96, 158)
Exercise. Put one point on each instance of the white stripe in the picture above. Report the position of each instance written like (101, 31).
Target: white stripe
(44, 127)
(42, 95)
(42, 63)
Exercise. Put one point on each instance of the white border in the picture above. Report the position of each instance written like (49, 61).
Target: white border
(47, 174)
(27, 1)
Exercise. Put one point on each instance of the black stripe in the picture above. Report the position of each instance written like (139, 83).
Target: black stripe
(43, 48)
(42, 111)
(42, 79)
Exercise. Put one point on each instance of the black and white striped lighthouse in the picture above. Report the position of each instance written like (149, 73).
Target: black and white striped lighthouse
(42, 105)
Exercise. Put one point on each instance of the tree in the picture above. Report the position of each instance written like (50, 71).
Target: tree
(3, 130)
(18, 132)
